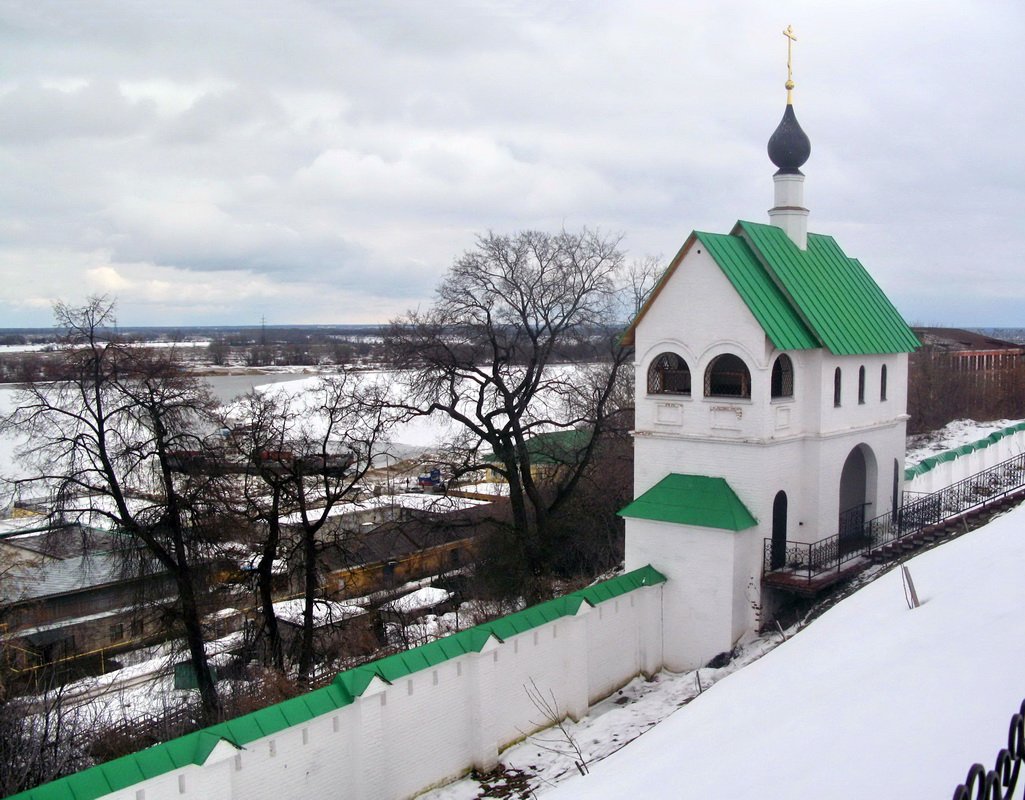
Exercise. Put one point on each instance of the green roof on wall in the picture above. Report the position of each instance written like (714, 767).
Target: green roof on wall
(195, 748)
(928, 464)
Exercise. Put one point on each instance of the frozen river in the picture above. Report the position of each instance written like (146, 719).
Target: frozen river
(407, 440)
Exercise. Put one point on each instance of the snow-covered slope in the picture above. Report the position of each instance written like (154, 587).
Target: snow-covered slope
(871, 700)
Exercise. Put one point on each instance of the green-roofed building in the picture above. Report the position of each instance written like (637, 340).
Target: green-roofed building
(771, 383)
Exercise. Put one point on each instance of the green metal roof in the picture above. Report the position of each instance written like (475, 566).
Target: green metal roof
(834, 294)
(803, 299)
(928, 464)
(780, 321)
(564, 446)
(692, 500)
(195, 748)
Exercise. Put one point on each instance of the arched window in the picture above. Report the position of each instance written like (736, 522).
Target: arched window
(782, 383)
(861, 385)
(836, 387)
(882, 383)
(668, 374)
(727, 376)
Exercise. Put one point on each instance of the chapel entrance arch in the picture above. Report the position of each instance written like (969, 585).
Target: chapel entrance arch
(857, 497)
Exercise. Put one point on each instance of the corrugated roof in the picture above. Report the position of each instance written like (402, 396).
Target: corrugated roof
(692, 500)
(834, 294)
(194, 748)
(55, 576)
(803, 299)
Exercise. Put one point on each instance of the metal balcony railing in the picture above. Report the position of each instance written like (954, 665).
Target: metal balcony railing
(857, 538)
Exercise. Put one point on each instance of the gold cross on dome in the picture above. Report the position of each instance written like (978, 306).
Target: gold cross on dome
(791, 38)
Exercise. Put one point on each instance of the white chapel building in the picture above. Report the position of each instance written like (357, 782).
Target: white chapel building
(771, 395)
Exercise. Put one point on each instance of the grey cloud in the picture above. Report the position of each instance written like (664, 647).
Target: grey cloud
(350, 150)
(215, 113)
(31, 113)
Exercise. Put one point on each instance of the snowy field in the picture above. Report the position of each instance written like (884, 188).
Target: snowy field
(870, 700)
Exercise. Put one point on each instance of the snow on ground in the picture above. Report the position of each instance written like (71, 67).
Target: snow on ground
(10, 469)
(486, 489)
(420, 600)
(414, 436)
(872, 699)
(325, 612)
(431, 432)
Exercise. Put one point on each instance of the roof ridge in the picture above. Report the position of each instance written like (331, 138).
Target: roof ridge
(766, 264)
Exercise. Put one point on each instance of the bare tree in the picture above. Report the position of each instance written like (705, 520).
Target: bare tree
(641, 278)
(42, 738)
(103, 443)
(557, 736)
(490, 354)
(309, 454)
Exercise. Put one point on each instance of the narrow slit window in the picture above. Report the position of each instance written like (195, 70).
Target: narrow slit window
(837, 382)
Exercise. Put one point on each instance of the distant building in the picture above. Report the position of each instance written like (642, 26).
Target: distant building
(550, 453)
(959, 374)
(967, 350)
(67, 592)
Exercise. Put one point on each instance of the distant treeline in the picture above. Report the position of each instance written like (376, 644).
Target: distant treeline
(244, 334)
(277, 346)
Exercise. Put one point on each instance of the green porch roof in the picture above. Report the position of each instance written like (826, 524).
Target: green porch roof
(195, 748)
(692, 500)
(803, 299)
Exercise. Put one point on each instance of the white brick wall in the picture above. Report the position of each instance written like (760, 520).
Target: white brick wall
(965, 466)
(431, 726)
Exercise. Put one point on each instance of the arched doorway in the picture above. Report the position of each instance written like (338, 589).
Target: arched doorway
(778, 556)
(857, 495)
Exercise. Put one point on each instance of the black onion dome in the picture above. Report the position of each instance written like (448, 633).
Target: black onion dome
(789, 146)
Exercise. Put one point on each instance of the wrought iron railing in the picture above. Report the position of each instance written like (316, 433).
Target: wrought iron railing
(855, 539)
(998, 783)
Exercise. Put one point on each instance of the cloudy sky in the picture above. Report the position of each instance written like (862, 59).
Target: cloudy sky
(213, 161)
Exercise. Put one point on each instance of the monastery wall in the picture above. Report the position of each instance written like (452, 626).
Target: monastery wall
(396, 739)
(944, 469)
